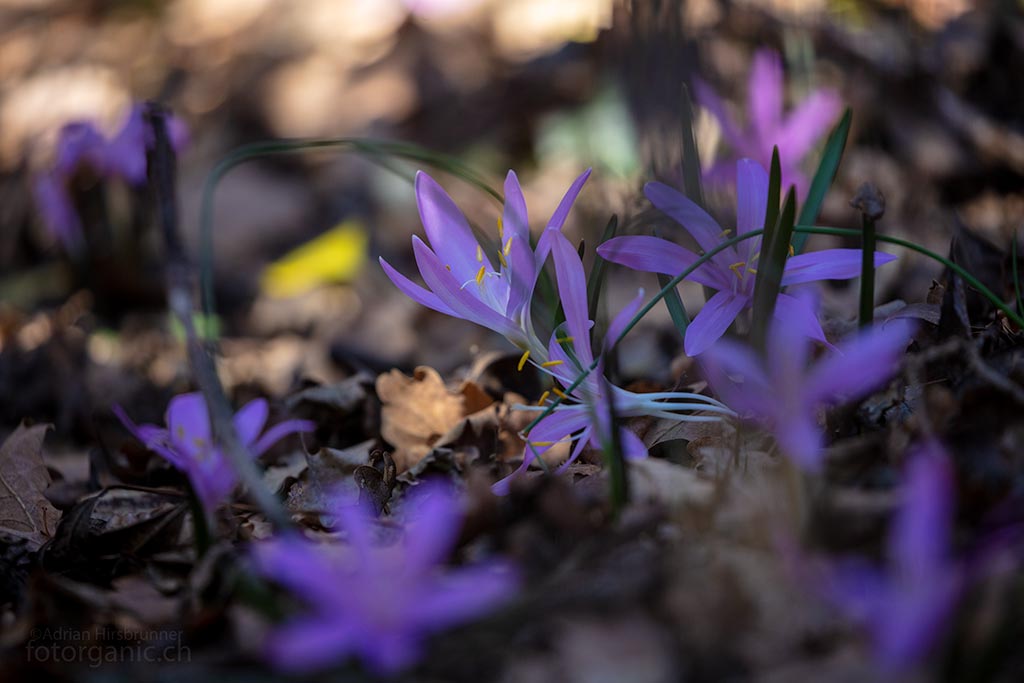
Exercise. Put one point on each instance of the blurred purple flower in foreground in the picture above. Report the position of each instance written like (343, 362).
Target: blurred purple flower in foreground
(81, 146)
(378, 602)
(570, 353)
(187, 442)
(784, 395)
(461, 279)
(767, 127)
(907, 603)
(732, 271)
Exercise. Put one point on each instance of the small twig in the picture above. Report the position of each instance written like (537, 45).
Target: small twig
(179, 299)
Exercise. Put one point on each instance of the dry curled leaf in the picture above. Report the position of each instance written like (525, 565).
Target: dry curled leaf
(24, 510)
(419, 410)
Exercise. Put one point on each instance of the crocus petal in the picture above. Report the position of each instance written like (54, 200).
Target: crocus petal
(304, 568)
(861, 364)
(764, 91)
(564, 206)
(250, 419)
(57, 211)
(624, 317)
(152, 437)
(515, 220)
(588, 434)
(278, 432)
(79, 143)
(449, 233)
(463, 303)
(800, 437)
(188, 421)
(655, 255)
(522, 275)
(310, 643)
(696, 220)
(435, 519)
(797, 315)
(124, 155)
(415, 292)
(828, 264)
(919, 540)
(572, 291)
(735, 373)
(807, 123)
(463, 594)
(633, 447)
(751, 196)
(710, 100)
(712, 321)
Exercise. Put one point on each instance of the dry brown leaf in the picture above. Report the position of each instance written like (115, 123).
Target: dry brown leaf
(660, 481)
(419, 410)
(24, 510)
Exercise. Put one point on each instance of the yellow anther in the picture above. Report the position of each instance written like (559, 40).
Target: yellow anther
(559, 393)
(565, 340)
(735, 267)
(508, 247)
(752, 270)
(522, 360)
(480, 275)
(550, 363)
(543, 397)
(447, 267)
(542, 444)
(501, 227)
(755, 257)
(479, 254)
(725, 233)
(501, 260)
(792, 251)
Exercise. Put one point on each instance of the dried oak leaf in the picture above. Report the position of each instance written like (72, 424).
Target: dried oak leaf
(24, 510)
(418, 411)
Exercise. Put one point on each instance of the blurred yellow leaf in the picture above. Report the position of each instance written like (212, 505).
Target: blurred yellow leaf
(335, 256)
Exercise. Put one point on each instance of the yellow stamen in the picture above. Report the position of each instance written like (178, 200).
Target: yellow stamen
(502, 261)
(725, 233)
(559, 393)
(550, 363)
(447, 267)
(522, 360)
(752, 270)
(480, 275)
(565, 340)
(543, 397)
(508, 247)
(479, 254)
(792, 251)
(755, 257)
(542, 444)
(735, 267)
(501, 227)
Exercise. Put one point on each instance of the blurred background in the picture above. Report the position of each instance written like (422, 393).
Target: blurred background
(545, 87)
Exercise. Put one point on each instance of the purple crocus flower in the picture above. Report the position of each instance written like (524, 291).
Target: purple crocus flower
(732, 271)
(187, 442)
(462, 281)
(907, 604)
(378, 602)
(82, 146)
(766, 126)
(784, 395)
(586, 419)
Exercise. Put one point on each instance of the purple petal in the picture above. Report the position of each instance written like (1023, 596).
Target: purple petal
(624, 317)
(522, 274)
(862, 364)
(919, 540)
(250, 419)
(913, 619)
(278, 432)
(712, 321)
(764, 93)
(564, 206)
(710, 100)
(515, 218)
(572, 290)
(152, 437)
(751, 196)
(79, 143)
(463, 303)
(656, 255)
(796, 429)
(806, 124)
(57, 211)
(797, 317)
(309, 643)
(462, 595)
(124, 156)
(412, 290)
(633, 447)
(588, 434)
(304, 568)
(447, 230)
(435, 519)
(734, 371)
(189, 422)
(697, 222)
(829, 264)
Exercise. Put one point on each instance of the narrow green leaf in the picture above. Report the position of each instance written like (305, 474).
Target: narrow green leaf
(867, 271)
(771, 215)
(768, 282)
(1016, 275)
(675, 307)
(823, 177)
(691, 155)
(595, 284)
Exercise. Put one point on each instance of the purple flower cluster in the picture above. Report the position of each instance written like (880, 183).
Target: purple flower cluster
(376, 601)
(81, 146)
(187, 442)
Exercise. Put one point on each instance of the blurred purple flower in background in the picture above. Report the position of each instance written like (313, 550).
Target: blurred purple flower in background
(81, 146)
(732, 271)
(784, 395)
(907, 604)
(378, 602)
(461, 279)
(187, 442)
(766, 126)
